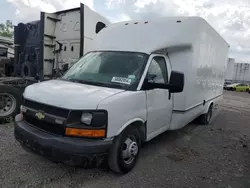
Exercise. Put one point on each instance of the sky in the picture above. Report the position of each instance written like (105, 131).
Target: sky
(231, 18)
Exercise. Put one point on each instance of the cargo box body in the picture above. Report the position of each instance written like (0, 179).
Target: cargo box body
(204, 65)
(193, 47)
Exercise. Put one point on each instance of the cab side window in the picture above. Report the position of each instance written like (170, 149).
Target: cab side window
(99, 27)
(157, 71)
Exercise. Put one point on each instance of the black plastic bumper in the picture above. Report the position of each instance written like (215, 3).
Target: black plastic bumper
(70, 150)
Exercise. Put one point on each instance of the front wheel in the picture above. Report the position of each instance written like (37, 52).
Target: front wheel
(125, 151)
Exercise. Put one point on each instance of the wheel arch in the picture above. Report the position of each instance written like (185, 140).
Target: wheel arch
(210, 103)
(138, 122)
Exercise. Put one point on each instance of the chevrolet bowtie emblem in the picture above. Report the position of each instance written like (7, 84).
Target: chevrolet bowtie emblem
(40, 115)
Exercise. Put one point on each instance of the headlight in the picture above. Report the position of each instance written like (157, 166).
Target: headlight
(86, 118)
(93, 118)
(90, 124)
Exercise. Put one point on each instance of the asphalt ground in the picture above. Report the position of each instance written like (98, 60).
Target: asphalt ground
(196, 156)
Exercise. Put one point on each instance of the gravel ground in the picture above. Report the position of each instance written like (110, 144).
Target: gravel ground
(196, 156)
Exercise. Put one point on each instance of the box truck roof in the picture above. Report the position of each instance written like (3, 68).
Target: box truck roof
(150, 36)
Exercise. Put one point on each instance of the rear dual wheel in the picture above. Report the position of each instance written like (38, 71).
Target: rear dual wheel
(125, 151)
(205, 119)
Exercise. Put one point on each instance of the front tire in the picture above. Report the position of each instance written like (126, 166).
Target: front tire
(125, 151)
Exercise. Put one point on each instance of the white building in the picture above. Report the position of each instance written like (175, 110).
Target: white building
(230, 69)
(237, 71)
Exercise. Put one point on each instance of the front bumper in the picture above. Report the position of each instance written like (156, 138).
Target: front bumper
(69, 150)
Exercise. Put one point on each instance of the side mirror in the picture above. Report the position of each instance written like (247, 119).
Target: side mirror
(176, 83)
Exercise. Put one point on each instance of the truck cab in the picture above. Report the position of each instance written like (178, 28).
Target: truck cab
(131, 87)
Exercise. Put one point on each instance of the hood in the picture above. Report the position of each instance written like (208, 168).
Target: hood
(68, 95)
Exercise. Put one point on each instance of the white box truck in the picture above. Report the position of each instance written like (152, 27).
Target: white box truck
(141, 78)
(45, 49)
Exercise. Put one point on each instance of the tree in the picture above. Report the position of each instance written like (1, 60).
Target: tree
(6, 30)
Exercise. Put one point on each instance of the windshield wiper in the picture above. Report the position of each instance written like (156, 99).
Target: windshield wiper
(96, 83)
(102, 84)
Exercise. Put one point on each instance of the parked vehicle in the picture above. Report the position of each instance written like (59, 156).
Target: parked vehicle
(44, 50)
(226, 84)
(230, 87)
(237, 87)
(6, 56)
(241, 88)
(6, 47)
(141, 78)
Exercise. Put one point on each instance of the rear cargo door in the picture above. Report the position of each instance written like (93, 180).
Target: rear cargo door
(159, 105)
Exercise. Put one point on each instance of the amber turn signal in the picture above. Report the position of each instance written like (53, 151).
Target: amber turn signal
(85, 132)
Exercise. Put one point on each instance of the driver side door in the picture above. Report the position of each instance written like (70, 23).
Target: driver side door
(159, 106)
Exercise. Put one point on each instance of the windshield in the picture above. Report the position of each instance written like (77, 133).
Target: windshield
(121, 70)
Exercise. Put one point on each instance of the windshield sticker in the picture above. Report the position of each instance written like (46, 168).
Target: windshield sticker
(121, 80)
(131, 76)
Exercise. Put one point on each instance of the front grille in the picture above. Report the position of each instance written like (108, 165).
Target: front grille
(60, 112)
(46, 126)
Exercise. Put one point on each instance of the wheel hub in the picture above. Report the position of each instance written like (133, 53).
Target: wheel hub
(133, 149)
(7, 104)
(130, 150)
